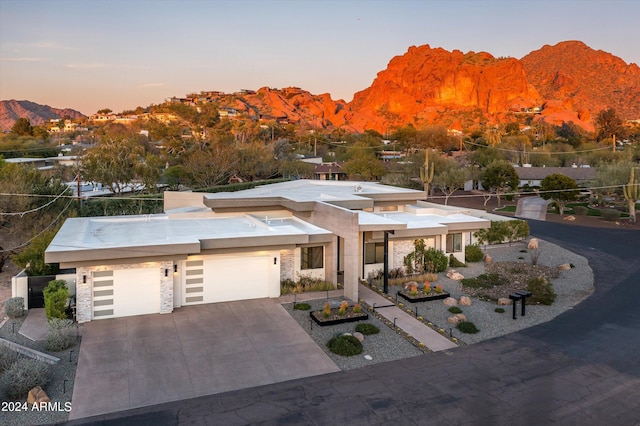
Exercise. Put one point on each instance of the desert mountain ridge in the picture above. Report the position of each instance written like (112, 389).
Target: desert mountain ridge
(37, 114)
(566, 82)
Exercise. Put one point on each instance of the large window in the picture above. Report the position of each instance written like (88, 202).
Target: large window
(373, 253)
(454, 243)
(312, 257)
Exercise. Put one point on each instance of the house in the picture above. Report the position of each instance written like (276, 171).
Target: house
(329, 171)
(533, 176)
(208, 248)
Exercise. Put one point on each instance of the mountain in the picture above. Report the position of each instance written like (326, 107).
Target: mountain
(576, 79)
(37, 114)
(428, 86)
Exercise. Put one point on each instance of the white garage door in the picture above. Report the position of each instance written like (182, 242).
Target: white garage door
(225, 278)
(126, 292)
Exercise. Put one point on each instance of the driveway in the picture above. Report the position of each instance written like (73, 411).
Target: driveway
(197, 350)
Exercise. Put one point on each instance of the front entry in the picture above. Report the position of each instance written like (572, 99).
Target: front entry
(36, 286)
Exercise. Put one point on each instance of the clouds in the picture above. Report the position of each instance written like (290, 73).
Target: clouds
(21, 59)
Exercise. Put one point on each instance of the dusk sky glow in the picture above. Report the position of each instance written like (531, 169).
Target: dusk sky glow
(118, 54)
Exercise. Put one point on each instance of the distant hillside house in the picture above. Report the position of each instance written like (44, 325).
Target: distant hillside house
(533, 176)
(329, 171)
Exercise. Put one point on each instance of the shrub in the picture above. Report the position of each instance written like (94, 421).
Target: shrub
(343, 307)
(61, 334)
(484, 281)
(302, 306)
(541, 291)
(580, 210)
(455, 310)
(304, 284)
(438, 289)
(435, 261)
(345, 345)
(357, 308)
(8, 357)
(326, 311)
(499, 310)
(14, 307)
(56, 294)
(473, 253)
(367, 329)
(467, 327)
(23, 375)
(610, 215)
(455, 263)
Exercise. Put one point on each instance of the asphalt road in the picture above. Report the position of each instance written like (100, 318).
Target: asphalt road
(582, 368)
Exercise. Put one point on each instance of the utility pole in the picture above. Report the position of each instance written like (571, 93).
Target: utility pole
(79, 198)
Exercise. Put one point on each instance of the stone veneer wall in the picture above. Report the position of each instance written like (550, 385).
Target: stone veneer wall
(287, 265)
(84, 294)
(401, 248)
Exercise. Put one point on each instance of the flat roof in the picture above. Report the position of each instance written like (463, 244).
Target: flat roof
(152, 235)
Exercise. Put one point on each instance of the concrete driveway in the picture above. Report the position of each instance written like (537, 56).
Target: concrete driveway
(197, 350)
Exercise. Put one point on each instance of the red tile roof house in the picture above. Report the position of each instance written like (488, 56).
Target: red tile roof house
(208, 248)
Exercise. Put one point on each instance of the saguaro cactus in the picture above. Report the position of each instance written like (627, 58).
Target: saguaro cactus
(632, 194)
(426, 172)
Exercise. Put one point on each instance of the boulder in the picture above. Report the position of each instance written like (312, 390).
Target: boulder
(457, 319)
(564, 267)
(533, 244)
(570, 218)
(465, 301)
(488, 260)
(37, 395)
(504, 301)
(408, 284)
(359, 336)
(450, 301)
(454, 275)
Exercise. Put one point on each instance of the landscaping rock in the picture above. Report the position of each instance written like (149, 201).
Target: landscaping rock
(465, 301)
(533, 244)
(359, 336)
(37, 395)
(454, 275)
(368, 357)
(457, 319)
(564, 267)
(570, 218)
(450, 301)
(504, 301)
(488, 260)
(408, 284)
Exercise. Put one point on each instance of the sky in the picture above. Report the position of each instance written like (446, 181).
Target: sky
(120, 54)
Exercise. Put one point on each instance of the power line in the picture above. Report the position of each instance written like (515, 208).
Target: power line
(37, 208)
(537, 152)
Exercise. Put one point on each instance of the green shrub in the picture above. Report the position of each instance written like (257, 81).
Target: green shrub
(24, 375)
(367, 328)
(435, 261)
(56, 294)
(455, 263)
(8, 357)
(499, 310)
(580, 210)
(541, 291)
(610, 215)
(302, 306)
(345, 345)
(484, 281)
(14, 307)
(455, 310)
(473, 253)
(61, 334)
(467, 327)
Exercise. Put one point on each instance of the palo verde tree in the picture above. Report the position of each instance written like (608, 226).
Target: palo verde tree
(559, 188)
(499, 177)
(450, 180)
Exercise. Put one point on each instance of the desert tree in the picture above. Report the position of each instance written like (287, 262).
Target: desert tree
(559, 188)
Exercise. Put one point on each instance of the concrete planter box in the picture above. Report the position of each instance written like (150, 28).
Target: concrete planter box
(334, 318)
(422, 297)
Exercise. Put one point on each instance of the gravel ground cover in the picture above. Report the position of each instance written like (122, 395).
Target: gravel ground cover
(60, 386)
(388, 345)
(571, 286)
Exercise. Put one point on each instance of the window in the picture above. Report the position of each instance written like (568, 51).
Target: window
(454, 243)
(373, 253)
(312, 257)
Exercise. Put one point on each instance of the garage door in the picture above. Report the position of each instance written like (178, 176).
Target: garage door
(126, 292)
(225, 278)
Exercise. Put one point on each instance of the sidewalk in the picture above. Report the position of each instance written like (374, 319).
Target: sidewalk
(420, 331)
(34, 326)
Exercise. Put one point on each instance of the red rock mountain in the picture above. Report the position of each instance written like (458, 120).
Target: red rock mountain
(426, 85)
(579, 82)
(37, 114)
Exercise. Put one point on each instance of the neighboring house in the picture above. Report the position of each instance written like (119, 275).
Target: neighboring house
(329, 171)
(533, 176)
(209, 248)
